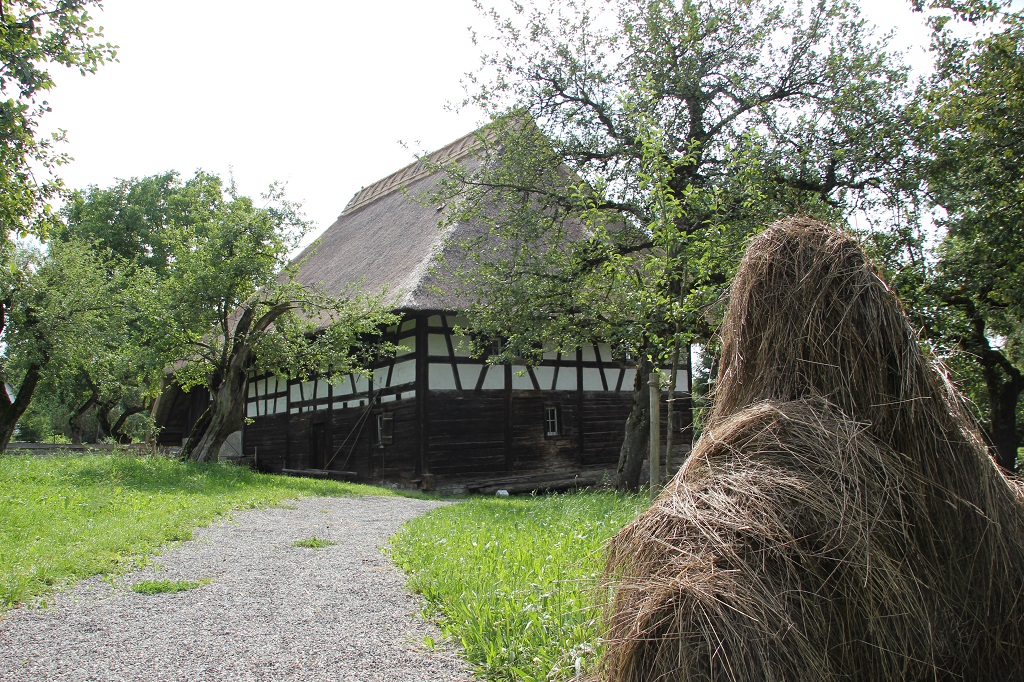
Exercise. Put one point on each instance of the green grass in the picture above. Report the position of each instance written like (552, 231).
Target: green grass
(514, 579)
(67, 517)
(167, 586)
(313, 543)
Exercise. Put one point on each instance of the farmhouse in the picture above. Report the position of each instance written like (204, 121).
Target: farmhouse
(434, 414)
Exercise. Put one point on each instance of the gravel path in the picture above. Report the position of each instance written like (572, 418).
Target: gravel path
(270, 612)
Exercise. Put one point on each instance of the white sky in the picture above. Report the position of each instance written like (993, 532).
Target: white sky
(315, 93)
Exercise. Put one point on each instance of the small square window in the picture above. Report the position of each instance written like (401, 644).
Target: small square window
(385, 431)
(552, 420)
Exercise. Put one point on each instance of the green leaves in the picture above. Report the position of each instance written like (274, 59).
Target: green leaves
(636, 146)
(34, 35)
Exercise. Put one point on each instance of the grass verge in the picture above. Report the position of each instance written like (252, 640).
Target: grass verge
(67, 517)
(166, 586)
(313, 543)
(514, 579)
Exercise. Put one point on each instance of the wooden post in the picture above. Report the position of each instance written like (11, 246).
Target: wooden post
(655, 452)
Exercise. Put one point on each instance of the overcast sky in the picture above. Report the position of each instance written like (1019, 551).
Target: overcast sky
(316, 93)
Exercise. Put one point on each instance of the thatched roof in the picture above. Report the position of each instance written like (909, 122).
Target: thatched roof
(388, 237)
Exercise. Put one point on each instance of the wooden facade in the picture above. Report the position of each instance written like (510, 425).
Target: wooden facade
(434, 413)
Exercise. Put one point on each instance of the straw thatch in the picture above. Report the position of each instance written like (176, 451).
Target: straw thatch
(840, 519)
(388, 239)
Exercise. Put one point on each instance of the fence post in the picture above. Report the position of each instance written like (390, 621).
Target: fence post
(655, 453)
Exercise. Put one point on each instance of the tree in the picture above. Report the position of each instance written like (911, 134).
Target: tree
(34, 35)
(660, 135)
(56, 308)
(224, 295)
(972, 135)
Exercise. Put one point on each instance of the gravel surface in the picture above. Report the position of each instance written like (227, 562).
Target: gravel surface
(271, 611)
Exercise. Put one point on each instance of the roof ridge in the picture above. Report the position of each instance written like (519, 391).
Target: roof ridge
(416, 170)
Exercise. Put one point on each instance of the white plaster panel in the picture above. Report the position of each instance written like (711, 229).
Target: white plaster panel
(545, 376)
(294, 394)
(403, 373)
(566, 379)
(468, 375)
(307, 390)
(321, 388)
(281, 406)
(387, 398)
(250, 392)
(436, 345)
(611, 375)
(550, 355)
(681, 378)
(588, 353)
(592, 379)
(408, 325)
(342, 386)
(495, 379)
(406, 347)
(362, 384)
(251, 410)
(434, 321)
(458, 321)
(462, 345)
(441, 377)
(606, 352)
(629, 375)
(521, 383)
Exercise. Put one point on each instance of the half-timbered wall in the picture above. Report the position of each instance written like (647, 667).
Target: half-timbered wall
(435, 409)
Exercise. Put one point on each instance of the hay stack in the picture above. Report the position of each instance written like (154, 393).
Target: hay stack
(840, 519)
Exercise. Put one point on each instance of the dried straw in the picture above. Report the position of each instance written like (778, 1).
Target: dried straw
(840, 519)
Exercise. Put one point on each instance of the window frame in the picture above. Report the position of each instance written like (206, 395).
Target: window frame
(553, 417)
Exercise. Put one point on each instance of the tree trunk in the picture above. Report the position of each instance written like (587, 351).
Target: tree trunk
(75, 420)
(115, 429)
(634, 445)
(226, 413)
(1002, 411)
(223, 418)
(103, 416)
(10, 412)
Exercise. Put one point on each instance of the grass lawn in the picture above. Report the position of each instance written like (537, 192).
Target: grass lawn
(514, 579)
(67, 517)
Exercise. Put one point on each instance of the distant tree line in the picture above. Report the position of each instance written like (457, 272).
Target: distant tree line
(664, 132)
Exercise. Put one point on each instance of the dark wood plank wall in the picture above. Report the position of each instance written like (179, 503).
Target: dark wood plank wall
(532, 450)
(397, 460)
(457, 433)
(265, 441)
(178, 413)
(603, 422)
(467, 432)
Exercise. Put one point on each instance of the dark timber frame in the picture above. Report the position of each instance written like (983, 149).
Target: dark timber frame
(452, 415)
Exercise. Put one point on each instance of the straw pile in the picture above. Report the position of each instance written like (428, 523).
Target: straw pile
(840, 519)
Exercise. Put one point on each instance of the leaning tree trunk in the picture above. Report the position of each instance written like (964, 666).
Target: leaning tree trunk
(226, 413)
(76, 419)
(222, 418)
(116, 431)
(634, 445)
(10, 412)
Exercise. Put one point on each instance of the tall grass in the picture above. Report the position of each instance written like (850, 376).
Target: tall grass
(514, 579)
(66, 517)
